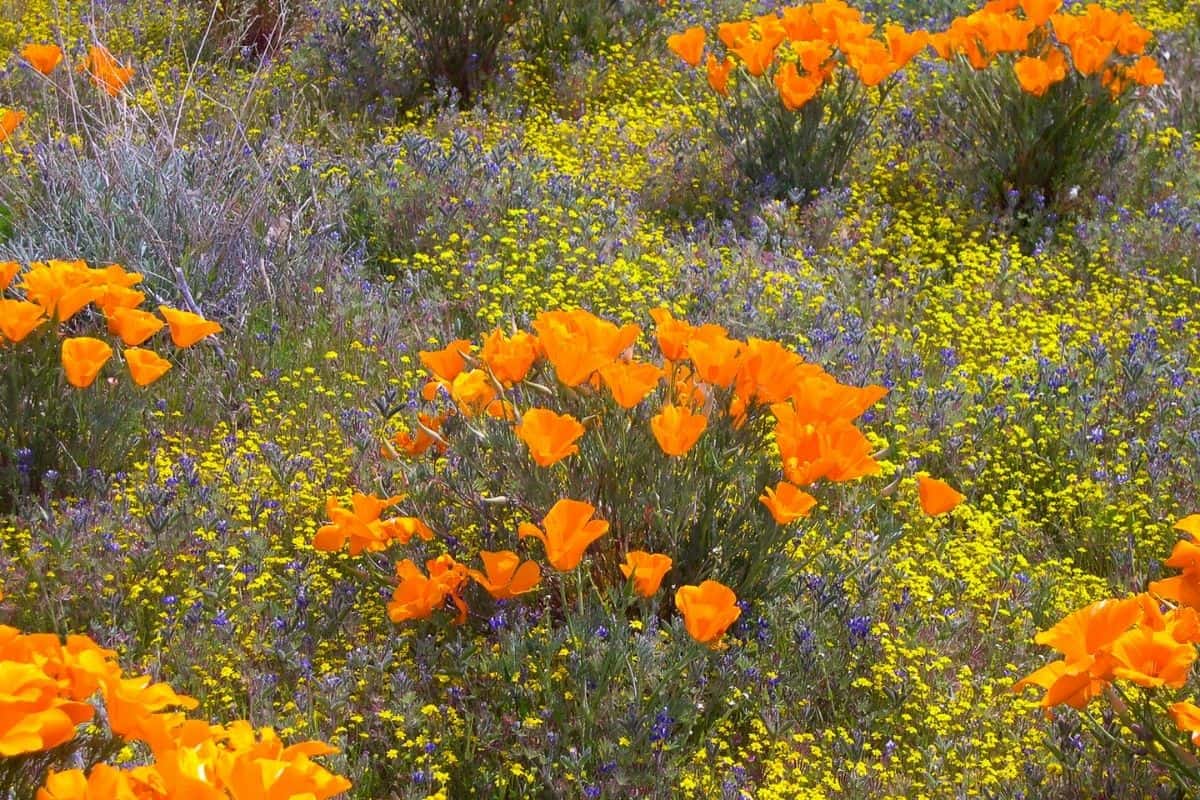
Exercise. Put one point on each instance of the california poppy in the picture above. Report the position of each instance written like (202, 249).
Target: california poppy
(510, 357)
(579, 343)
(688, 45)
(504, 575)
(569, 529)
(1146, 72)
(42, 57)
(106, 71)
(1152, 658)
(416, 595)
(18, 318)
(1036, 75)
(187, 328)
(447, 362)
(133, 325)
(630, 381)
(708, 610)
(795, 90)
(10, 120)
(145, 366)
(551, 437)
(937, 497)
(360, 524)
(82, 358)
(677, 429)
(8, 271)
(472, 391)
(646, 570)
(787, 503)
(1187, 718)
(718, 74)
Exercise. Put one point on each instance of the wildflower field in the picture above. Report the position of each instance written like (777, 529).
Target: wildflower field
(599, 398)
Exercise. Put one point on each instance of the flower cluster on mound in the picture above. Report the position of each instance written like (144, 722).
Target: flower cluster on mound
(1148, 640)
(56, 291)
(755, 402)
(52, 688)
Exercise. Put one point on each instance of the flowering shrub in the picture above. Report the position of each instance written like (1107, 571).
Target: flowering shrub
(794, 88)
(52, 688)
(645, 442)
(43, 308)
(1148, 641)
(1038, 95)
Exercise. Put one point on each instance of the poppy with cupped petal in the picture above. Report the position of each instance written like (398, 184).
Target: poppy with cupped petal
(569, 530)
(646, 570)
(505, 576)
(145, 366)
(82, 358)
(187, 328)
(708, 610)
(551, 437)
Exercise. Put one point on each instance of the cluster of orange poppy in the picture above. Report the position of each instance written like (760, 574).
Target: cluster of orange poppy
(59, 290)
(47, 686)
(1099, 41)
(703, 374)
(819, 38)
(100, 65)
(1149, 639)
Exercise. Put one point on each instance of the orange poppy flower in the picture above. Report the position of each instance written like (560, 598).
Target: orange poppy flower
(1146, 72)
(630, 381)
(1036, 75)
(510, 357)
(1085, 638)
(145, 366)
(10, 120)
(1152, 658)
(33, 717)
(787, 503)
(1039, 11)
(420, 438)
(187, 328)
(448, 362)
(1183, 588)
(672, 334)
(360, 524)
(450, 576)
(813, 56)
(8, 271)
(42, 57)
(416, 595)
(551, 437)
(505, 576)
(1189, 525)
(688, 45)
(937, 497)
(1187, 718)
(569, 529)
(133, 325)
(902, 45)
(105, 70)
(715, 357)
(769, 373)
(872, 60)
(1132, 39)
(708, 610)
(82, 358)
(113, 297)
(795, 90)
(718, 74)
(733, 34)
(1090, 54)
(646, 570)
(756, 55)
(472, 391)
(578, 343)
(834, 450)
(677, 429)
(18, 318)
